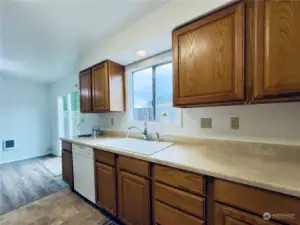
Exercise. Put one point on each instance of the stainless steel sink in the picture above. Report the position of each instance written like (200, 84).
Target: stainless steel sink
(139, 146)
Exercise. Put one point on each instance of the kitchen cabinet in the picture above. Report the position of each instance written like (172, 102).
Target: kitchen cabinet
(167, 215)
(106, 188)
(67, 163)
(102, 88)
(134, 191)
(208, 59)
(246, 52)
(178, 197)
(85, 81)
(273, 44)
(256, 201)
(134, 199)
(225, 215)
(138, 192)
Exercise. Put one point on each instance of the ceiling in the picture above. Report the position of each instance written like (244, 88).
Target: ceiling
(42, 40)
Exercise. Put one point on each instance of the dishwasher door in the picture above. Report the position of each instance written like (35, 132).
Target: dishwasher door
(83, 169)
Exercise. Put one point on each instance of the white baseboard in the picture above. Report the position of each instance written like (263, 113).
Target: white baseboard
(23, 158)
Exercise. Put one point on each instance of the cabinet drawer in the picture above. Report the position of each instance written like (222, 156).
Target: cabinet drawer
(227, 215)
(104, 157)
(184, 180)
(182, 200)
(66, 145)
(166, 215)
(257, 200)
(134, 166)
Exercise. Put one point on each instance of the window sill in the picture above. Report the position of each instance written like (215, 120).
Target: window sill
(140, 123)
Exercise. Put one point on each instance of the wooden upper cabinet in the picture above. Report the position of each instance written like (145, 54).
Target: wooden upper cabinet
(85, 91)
(102, 88)
(208, 59)
(274, 33)
(225, 215)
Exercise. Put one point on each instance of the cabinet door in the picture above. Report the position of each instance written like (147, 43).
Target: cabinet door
(100, 88)
(225, 215)
(85, 91)
(277, 49)
(208, 59)
(106, 188)
(67, 167)
(134, 199)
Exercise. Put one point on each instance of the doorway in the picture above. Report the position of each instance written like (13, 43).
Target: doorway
(69, 117)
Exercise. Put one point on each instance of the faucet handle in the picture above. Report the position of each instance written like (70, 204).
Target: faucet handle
(157, 137)
(128, 132)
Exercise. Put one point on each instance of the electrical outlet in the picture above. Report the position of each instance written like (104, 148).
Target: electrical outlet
(206, 122)
(235, 123)
(112, 121)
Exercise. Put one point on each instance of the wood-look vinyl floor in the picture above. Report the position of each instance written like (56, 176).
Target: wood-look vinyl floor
(25, 181)
(61, 208)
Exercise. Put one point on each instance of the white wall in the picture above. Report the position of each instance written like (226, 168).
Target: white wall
(61, 88)
(24, 117)
(265, 123)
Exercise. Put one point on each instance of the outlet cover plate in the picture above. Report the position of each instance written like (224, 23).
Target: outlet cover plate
(206, 123)
(235, 123)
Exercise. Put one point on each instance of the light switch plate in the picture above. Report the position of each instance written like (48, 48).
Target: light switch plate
(235, 123)
(206, 123)
(112, 121)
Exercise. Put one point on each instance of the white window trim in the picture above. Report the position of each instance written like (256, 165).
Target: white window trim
(150, 62)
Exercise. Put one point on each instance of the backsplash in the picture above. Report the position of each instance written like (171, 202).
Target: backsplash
(268, 123)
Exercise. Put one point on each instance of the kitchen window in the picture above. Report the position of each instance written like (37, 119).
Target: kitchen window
(153, 94)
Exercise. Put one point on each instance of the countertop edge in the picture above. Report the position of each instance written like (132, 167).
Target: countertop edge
(279, 189)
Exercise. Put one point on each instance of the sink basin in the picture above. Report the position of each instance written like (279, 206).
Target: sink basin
(138, 146)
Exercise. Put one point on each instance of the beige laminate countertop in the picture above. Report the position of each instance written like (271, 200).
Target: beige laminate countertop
(272, 167)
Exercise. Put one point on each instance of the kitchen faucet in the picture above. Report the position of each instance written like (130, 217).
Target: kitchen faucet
(144, 133)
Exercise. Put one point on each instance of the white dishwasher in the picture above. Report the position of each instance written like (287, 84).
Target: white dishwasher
(83, 169)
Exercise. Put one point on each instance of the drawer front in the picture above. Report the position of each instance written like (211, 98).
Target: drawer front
(66, 145)
(180, 179)
(134, 166)
(258, 201)
(166, 215)
(182, 200)
(104, 157)
(83, 150)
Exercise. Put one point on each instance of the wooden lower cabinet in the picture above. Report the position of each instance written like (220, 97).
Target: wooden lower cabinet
(134, 199)
(106, 188)
(225, 215)
(67, 167)
(167, 215)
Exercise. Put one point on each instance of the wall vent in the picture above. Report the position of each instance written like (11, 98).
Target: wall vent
(9, 145)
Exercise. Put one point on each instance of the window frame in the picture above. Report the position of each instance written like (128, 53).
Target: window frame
(146, 64)
(153, 86)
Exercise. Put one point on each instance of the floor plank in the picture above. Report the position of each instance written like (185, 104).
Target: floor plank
(25, 181)
(61, 208)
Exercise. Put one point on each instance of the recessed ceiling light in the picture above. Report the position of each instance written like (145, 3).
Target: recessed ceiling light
(141, 53)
